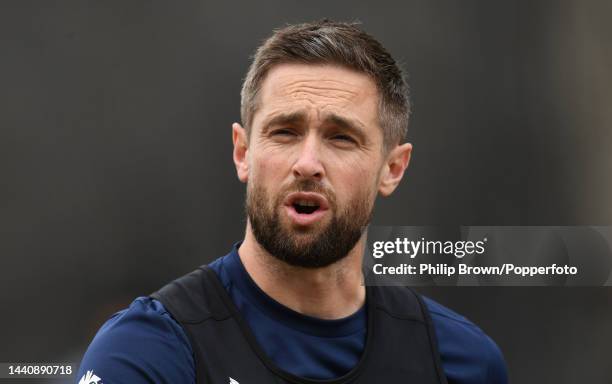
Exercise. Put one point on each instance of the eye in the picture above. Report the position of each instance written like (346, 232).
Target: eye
(282, 132)
(283, 135)
(343, 139)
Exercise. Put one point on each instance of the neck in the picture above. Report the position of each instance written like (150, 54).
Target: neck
(331, 292)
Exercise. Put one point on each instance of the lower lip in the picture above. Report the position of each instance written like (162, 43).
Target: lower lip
(304, 219)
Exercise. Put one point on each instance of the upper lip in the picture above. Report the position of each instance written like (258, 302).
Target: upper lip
(319, 199)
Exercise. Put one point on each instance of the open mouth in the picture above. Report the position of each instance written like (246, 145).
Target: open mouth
(305, 208)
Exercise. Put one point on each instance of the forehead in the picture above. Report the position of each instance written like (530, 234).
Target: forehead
(316, 89)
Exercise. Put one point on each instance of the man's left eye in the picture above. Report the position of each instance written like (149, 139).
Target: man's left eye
(344, 138)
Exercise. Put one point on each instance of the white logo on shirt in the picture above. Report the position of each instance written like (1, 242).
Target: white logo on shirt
(90, 378)
(232, 381)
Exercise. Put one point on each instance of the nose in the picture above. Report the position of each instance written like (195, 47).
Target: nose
(308, 163)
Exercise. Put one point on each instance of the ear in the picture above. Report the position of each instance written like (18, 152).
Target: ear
(393, 169)
(240, 154)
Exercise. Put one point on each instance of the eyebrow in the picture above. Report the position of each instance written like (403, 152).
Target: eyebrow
(299, 117)
(344, 123)
(284, 118)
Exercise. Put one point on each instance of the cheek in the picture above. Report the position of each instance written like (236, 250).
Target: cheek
(358, 168)
(267, 169)
(356, 180)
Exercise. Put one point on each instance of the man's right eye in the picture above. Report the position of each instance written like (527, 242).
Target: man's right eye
(283, 132)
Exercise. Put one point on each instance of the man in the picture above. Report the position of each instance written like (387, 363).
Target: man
(324, 111)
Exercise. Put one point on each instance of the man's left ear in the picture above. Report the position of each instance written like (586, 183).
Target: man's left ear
(393, 169)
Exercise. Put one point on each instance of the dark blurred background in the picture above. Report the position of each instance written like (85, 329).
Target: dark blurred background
(116, 172)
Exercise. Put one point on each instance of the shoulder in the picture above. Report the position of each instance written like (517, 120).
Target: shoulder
(469, 356)
(139, 344)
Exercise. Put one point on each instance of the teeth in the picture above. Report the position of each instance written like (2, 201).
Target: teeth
(306, 203)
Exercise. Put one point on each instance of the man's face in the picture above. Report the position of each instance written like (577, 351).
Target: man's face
(314, 159)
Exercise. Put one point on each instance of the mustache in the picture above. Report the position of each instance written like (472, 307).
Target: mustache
(309, 185)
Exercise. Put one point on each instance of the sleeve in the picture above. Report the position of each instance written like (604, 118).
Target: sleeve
(468, 355)
(496, 367)
(141, 344)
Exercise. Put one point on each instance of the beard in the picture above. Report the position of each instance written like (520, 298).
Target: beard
(316, 247)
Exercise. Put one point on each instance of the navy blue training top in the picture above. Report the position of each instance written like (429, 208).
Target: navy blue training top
(144, 344)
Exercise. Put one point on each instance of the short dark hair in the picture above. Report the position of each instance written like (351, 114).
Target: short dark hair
(340, 43)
